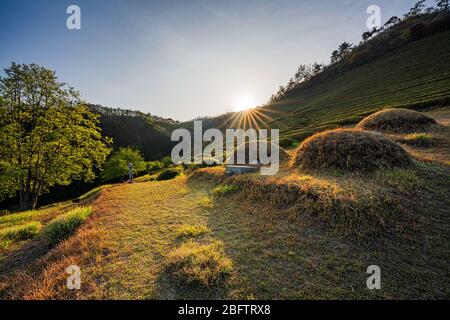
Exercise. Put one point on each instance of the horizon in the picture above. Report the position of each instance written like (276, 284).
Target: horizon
(181, 60)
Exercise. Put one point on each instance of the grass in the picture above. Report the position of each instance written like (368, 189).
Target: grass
(223, 190)
(18, 233)
(64, 226)
(196, 264)
(189, 230)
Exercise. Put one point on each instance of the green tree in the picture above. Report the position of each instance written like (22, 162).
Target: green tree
(47, 137)
(116, 167)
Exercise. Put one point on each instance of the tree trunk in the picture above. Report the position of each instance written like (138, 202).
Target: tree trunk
(27, 200)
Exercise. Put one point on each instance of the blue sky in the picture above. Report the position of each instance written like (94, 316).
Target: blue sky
(181, 59)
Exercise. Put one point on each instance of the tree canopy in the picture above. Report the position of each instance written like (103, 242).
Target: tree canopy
(47, 136)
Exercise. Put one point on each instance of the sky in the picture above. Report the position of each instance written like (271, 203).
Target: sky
(181, 59)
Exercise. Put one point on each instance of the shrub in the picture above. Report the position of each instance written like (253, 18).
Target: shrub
(189, 230)
(167, 162)
(153, 166)
(20, 233)
(223, 190)
(64, 226)
(349, 150)
(396, 120)
(205, 265)
(116, 167)
(168, 174)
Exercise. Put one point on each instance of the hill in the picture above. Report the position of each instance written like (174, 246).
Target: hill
(416, 75)
(149, 133)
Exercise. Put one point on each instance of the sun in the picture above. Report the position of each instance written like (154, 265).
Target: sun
(244, 103)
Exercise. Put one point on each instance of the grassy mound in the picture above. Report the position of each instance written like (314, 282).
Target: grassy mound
(396, 120)
(64, 226)
(349, 150)
(193, 263)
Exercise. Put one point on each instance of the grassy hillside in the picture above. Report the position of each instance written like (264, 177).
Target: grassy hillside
(416, 74)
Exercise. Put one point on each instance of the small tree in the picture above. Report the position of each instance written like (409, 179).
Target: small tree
(47, 137)
(116, 167)
(417, 9)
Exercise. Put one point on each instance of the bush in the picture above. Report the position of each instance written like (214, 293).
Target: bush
(154, 166)
(204, 265)
(189, 230)
(396, 120)
(168, 174)
(167, 162)
(20, 233)
(116, 166)
(64, 226)
(350, 150)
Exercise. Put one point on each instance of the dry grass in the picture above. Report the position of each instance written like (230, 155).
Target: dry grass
(349, 150)
(196, 264)
(397, 121)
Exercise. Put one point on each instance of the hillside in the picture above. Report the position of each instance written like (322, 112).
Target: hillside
(417, 74)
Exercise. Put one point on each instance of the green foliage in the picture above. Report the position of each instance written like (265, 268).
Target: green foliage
(167, 161)
(20, 233)
(223, 190)
(189, 230)
(196, 264)
(116, 167)
(47, 137)
(64, 226)
(153, 166)
(168, 174)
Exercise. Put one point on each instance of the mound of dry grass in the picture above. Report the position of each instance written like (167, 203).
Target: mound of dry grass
(345, 206)
(350, 150)
(397, 120)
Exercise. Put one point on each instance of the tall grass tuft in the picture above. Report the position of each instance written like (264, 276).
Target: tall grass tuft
(190, 230)
(223, 190)
(64, 226)
(197, 264)
(18, 233)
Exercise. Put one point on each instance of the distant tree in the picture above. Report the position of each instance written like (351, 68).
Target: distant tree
(317, 68)
(335, 56)
(116, 167)
(47, 137)
(365, 36)
(417, 9)
(392, 22)
(344, 49)
(443, 5)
